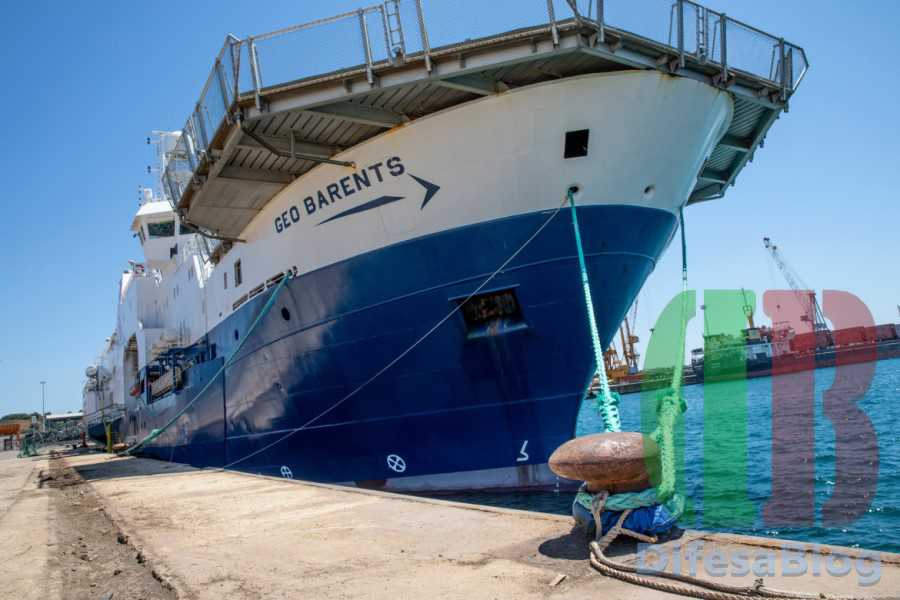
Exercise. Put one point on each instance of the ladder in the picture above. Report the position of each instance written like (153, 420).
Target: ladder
(393, 27)
(701, 26)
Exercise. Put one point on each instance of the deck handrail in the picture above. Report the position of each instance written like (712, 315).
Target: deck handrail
(703, 35)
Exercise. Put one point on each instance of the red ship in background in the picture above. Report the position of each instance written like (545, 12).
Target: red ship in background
(760, 350)
(765, 348)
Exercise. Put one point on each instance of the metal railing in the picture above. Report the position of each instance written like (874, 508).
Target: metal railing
(388, 33)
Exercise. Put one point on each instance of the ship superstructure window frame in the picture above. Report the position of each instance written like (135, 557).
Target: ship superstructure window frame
(161, 229)
(576, 144)
(238, 275)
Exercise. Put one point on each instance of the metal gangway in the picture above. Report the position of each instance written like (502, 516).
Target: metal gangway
(277, 104)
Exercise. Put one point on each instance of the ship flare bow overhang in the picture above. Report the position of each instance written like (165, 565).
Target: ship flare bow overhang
(250, 136)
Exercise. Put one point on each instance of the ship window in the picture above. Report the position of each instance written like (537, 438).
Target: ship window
(158, 230)
(225, 279)
(285, 314)
(173, 251)
(576, 143)
(238, 277)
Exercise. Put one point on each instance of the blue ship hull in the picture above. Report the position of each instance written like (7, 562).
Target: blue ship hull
(462, 402)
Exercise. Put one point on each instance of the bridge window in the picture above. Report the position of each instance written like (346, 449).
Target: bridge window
(576, 143)
(159, 230)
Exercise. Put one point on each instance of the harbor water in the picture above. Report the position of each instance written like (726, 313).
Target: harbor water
(878, 528)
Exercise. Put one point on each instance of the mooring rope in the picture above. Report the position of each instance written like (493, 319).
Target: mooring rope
(607, 403)
(678, 373)
(670, 404)
(701, 588)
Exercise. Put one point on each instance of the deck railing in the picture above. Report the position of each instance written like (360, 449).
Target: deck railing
(382, 34)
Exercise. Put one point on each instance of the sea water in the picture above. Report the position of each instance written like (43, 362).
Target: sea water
(878, 525)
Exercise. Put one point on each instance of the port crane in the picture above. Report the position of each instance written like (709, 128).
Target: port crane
(748, 309)
(805, 296)
(618, 367)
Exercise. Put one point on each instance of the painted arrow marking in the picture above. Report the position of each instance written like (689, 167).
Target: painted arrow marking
(379, 201)
(430, 189)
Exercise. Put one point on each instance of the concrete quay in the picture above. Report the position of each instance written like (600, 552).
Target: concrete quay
(91, 526)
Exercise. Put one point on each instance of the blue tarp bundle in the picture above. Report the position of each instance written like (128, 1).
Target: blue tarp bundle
(649, 520)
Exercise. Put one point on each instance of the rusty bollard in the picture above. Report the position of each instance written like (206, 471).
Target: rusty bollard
(622, 461)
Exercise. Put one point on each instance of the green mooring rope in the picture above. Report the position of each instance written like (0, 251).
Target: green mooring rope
(671, 403)
(607, 402)
(159, 431)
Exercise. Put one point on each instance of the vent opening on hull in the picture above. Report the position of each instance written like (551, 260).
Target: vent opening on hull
(492, 313)
(576, 143)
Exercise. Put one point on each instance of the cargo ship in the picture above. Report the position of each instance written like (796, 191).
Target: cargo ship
(779, 349)
(760, 351)
(361, 269)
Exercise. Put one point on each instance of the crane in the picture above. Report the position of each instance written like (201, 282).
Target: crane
(805, 297)
(618, 367)
(629, 353)
(748, 309)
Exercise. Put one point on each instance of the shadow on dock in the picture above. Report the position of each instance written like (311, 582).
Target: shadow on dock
(118, 468)
(575, 545)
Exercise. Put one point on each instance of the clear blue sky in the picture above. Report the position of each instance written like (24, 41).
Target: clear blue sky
(87, 82)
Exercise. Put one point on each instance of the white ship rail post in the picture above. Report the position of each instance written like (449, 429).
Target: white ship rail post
(267, 113)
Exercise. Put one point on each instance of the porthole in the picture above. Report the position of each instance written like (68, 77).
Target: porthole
(649, 192)
(285, 314)
(236, 336)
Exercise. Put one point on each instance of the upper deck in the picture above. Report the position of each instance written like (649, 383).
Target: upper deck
(268, 113)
